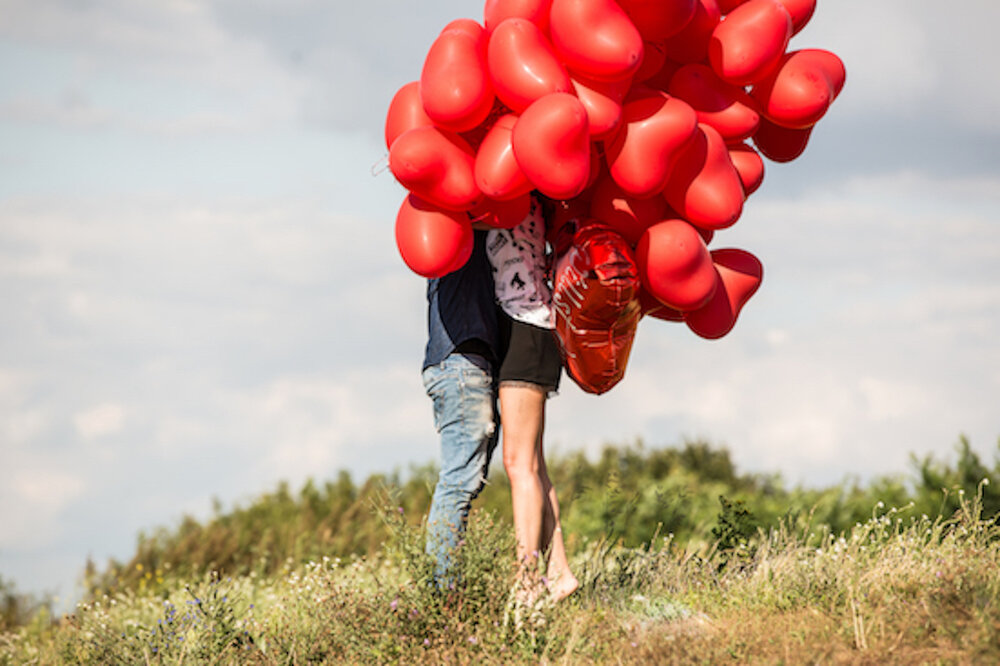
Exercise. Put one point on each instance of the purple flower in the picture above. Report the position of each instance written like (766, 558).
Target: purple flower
(394, 603)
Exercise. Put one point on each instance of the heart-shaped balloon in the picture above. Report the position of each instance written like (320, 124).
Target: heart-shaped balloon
(406, 111)
(724, 106)
(432, 242)
(675, 266)
(523, 64)
(749, 43)
(437, 166)
(704, 186)
(603, 102)
(780, 144)
(536, 11)
(801, 88)
(801, 11)
(595, 38)
(691, 43)
(739, 274)
(748, 165)
(455, 84)
(497, 172)
(656, 19)
(655, 128)
(551, 142)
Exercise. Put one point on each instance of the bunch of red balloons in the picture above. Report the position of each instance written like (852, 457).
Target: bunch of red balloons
(648, 115)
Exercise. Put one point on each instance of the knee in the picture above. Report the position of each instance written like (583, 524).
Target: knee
(520, 464)
(461, 484)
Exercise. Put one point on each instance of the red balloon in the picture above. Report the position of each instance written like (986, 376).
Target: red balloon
(523, 64)
(655, 129)
(536, 11)
(406, 111)
(704, 186)
(562, 218)
(653, 308)
(691, 43)
(675, 266)
(468, 26)
(624, 213)
(801, 11)
(727, 108)
(497, 172)
(661, 80)
(653, 59)
(749, 166)
(706, 234)
(502, 214)
(749, 43)
(595, 38)
(436, 166)
(597, 166)
(603, 102)
(726, 6)
(432, 242)
(801, 89)
(476, 135)
(780, 144)
(740, 275)
(455, 84)
(596, 307)
(657, 19)
(552, 144)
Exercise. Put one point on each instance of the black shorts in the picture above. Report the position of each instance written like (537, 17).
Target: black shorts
(532, 357)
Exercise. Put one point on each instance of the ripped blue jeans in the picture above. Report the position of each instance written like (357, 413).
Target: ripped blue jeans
(463, 391)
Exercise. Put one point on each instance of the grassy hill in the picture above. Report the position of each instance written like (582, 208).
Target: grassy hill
(682, 560)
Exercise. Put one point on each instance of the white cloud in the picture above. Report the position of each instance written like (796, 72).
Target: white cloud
(161, 68)
(39, 496)
(100, 420)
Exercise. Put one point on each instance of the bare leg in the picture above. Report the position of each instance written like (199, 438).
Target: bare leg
(561, 581)
(535, 507)
(522, 411)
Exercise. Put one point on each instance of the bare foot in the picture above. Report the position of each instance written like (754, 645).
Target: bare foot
(562, 586)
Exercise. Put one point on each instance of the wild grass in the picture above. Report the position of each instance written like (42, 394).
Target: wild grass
(899, 587)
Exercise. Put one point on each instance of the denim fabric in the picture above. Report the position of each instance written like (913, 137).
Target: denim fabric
(463, 390)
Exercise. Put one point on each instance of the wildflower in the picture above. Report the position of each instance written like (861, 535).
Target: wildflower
(473, 640)
(427, 642)
(394, 603)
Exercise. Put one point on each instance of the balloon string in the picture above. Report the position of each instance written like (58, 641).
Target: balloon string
(380, 165)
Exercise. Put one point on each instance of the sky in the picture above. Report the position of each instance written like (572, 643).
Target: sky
(202, 297)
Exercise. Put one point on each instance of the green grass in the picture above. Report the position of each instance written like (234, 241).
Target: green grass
(899, 587)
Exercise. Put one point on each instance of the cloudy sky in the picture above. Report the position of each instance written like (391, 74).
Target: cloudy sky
(202, 295)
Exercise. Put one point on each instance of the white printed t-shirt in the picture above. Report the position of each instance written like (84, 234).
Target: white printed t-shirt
(518, 259)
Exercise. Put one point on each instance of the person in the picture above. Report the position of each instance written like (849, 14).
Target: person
(529, 374)
(466, 337)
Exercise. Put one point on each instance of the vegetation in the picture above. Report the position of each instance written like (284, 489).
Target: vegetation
(681, 560)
